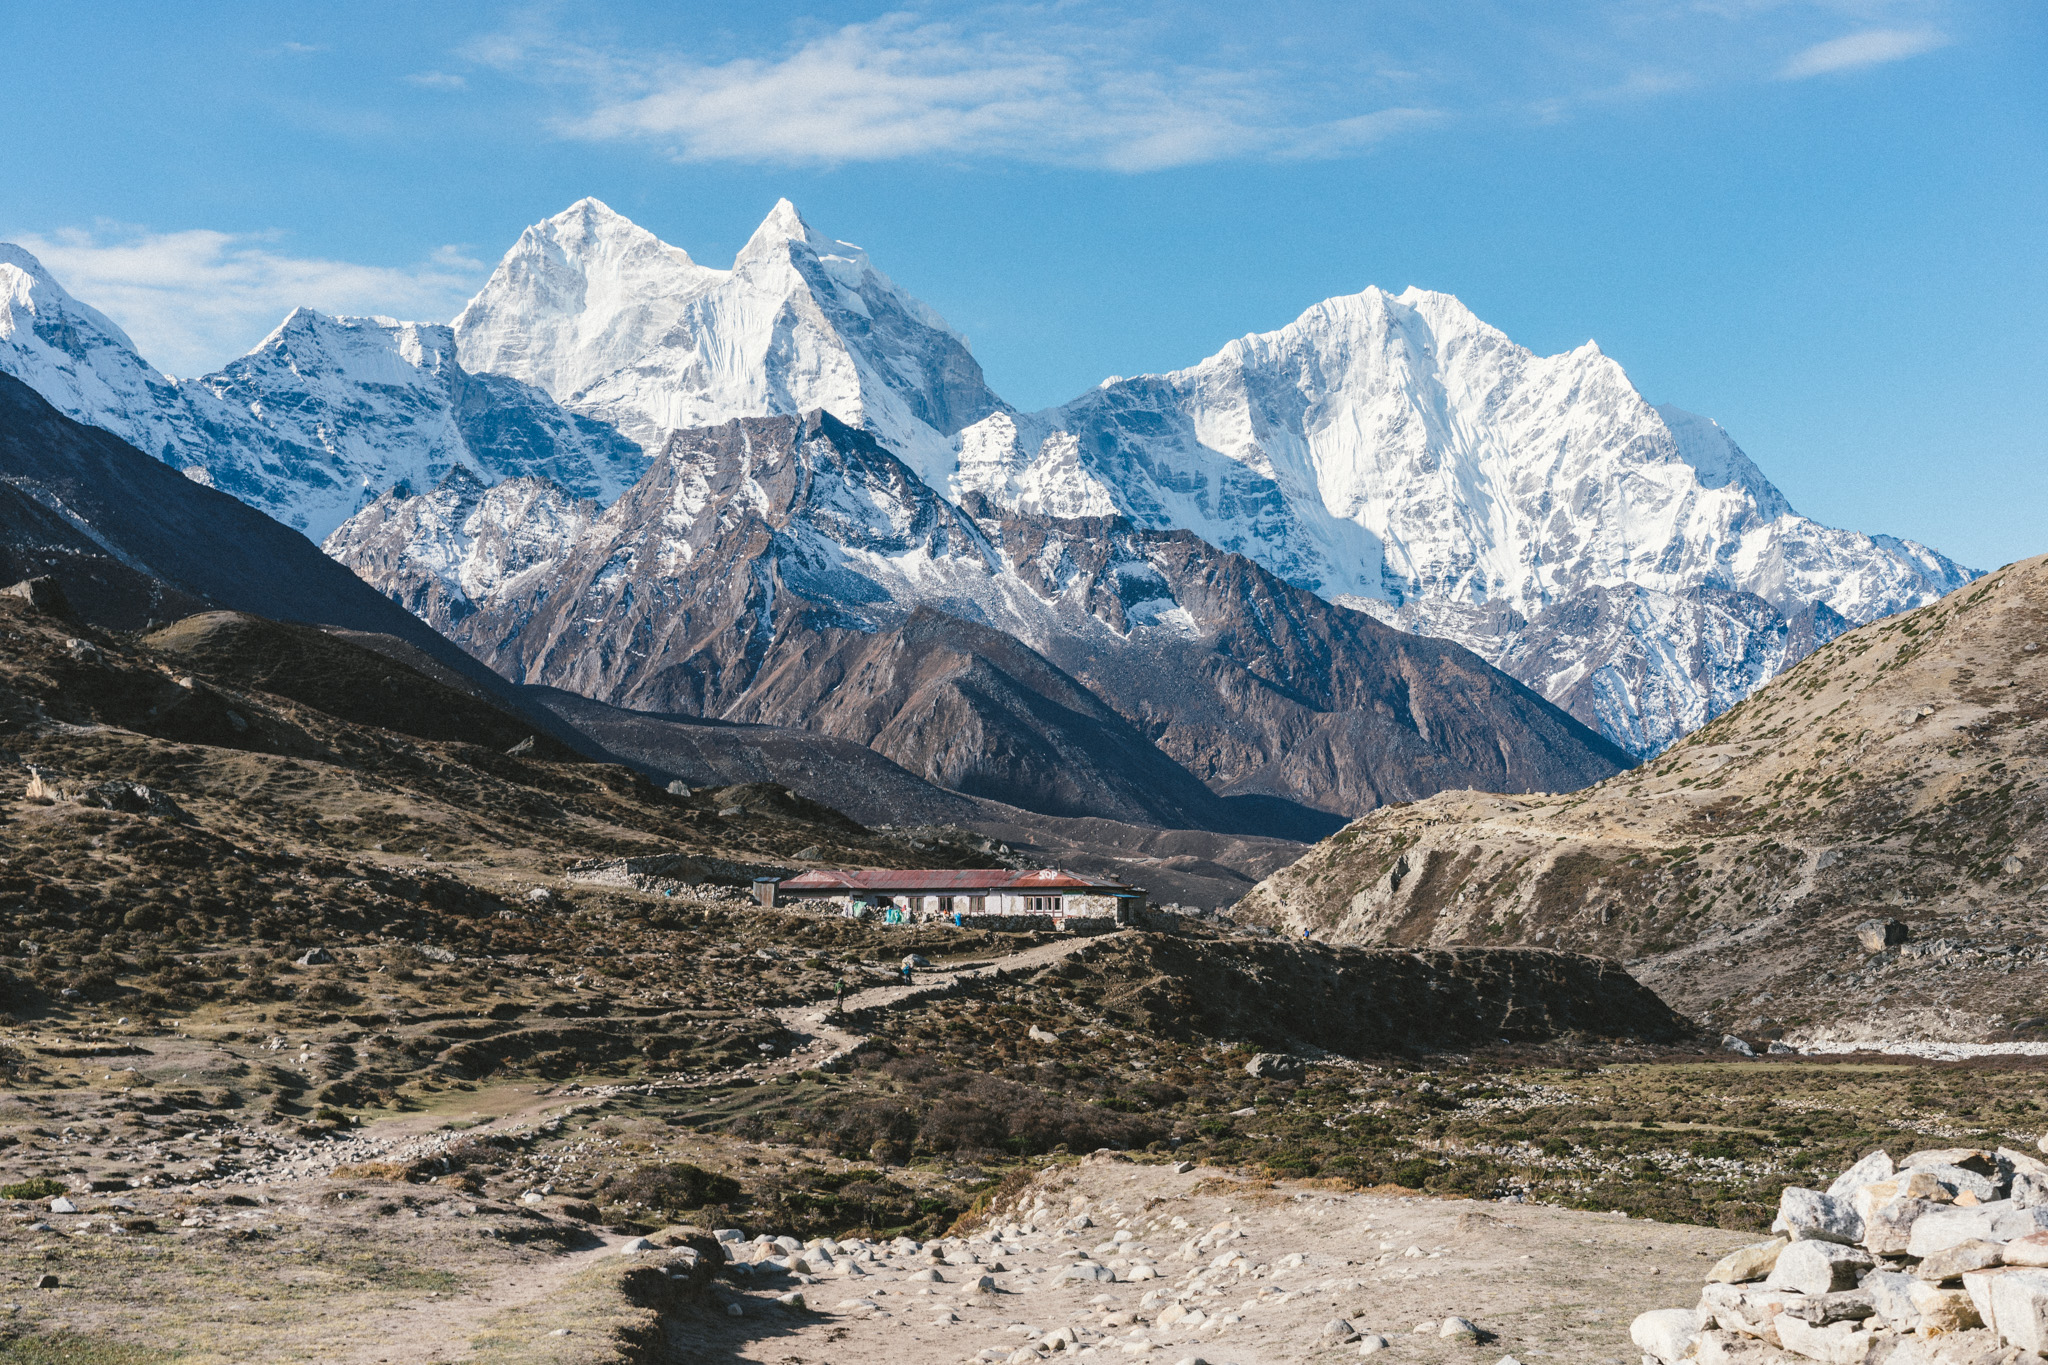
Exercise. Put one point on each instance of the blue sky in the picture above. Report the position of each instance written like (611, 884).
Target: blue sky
(1819, 223)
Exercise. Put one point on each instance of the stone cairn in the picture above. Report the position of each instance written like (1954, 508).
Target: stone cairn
(1941, 1259)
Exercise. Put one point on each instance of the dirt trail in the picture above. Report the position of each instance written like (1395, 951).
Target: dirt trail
(831, 1033)
(1236, 1272)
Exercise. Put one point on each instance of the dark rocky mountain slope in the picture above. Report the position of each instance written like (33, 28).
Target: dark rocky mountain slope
(790, 571)
(135, 544)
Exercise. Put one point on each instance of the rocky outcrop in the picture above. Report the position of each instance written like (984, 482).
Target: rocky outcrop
(1939, 1260)
(1362, 1002)
(1896, 772)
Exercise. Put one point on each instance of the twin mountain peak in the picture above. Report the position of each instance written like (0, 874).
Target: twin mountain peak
(672, 486)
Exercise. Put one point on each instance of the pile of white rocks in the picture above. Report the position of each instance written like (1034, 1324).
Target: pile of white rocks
(1941, 1259)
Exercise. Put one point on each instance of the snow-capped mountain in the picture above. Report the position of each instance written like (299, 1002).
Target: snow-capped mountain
(81, 363)
(616, 324)
(1388, 452)
(1398, 454)
(791, 571)
(322, 416)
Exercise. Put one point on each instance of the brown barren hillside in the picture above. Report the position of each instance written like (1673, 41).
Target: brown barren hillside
(1894, 775)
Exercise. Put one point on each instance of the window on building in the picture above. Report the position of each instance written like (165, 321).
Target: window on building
(1042, 905)
(945, 905)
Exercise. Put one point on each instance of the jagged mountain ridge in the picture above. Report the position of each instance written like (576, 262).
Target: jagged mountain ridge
(617, 324)
(1395, 453)
(324, 414)
(791, 571)
(1390, 452)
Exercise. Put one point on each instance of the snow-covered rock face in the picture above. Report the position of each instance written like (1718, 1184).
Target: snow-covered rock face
(1396, 447)
(1397, 454)
(80, 362)
(322, 416)
(793, 571)
(1388, 452)
(620, 326)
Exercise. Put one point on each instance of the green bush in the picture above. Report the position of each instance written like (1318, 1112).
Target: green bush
(40, 1187)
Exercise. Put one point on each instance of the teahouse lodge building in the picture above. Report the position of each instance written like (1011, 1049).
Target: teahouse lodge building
(990, 899)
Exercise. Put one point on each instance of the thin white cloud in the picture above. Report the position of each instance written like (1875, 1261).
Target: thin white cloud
(899, 87)
(436, 80)
(194, 300)
(1873, 47)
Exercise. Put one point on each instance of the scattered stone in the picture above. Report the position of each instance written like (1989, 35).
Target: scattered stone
(1730, 1043)
(633, 1246)
(1952, 1263)
(2019, 1302)
(1372, 1345)
(2030, 1250)
(1813, 1267)
(1747, 1263)
(1042, 1035)
(1841, 1341)
(46, 1282)
(1891, 1298)
(1459, 1328)
(1871, 1169)
(315, 957)
(1666, 1333)
(791, 1300)
(1336, 1329)
(1276, 1066)
(1943, 1310)
(1851, 1305)
(2001, 1221)
(1086, 1271)
(62, 1205)
(132, 798)
(986, 1284)
(1811, 1215)
(733, 1310)
(1876, 935)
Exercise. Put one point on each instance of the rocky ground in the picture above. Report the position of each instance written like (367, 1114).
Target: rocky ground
(352, 1021)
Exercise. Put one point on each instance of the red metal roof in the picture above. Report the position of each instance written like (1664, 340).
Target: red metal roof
(941, 881)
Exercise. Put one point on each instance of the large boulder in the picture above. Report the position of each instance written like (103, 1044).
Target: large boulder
(1666, 1333)
(1810, 1215)
(1888, 1229)
(1812, 1267)
(1747, 1309)
(1952, 1263)
(1871, 1169)
(1276, 1066)
(1999, 1221)
(1839, 1343)
(1747, 1263)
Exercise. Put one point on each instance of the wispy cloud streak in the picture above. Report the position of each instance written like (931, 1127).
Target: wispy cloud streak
(193, 300)
(1874, 47)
